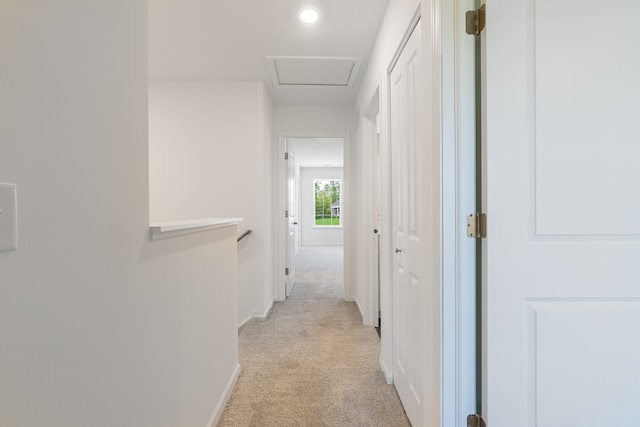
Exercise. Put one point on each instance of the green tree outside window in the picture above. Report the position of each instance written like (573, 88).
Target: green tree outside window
(327, 200)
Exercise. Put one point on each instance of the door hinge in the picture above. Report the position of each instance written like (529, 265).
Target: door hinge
(475, 20)
(286, 271)
(286, 213)
(286, 156)
(477, 225)
(475, 420)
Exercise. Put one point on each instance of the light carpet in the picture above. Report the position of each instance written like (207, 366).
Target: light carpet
(312, 363)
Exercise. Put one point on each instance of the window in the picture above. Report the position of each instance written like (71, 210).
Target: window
(327, 199)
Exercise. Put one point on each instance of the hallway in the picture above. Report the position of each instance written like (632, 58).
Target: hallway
(312, 363)
(321, 266)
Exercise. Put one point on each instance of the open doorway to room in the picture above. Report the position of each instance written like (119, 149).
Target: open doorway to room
(369, 214)
(315, 220)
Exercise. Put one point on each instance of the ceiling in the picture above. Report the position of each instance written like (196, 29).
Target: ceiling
(317, 152)
(233, 39)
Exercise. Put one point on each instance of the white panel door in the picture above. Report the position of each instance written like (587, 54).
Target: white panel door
(563, 204)
(292, 221)
(407, 227)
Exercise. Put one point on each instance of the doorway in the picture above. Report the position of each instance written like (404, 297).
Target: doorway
(369, 212)
(433, 260)
(321, 267)
(315, 196)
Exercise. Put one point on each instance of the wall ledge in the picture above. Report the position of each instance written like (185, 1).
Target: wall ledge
(161, 230)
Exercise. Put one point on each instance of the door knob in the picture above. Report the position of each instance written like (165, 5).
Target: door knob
(375, 231)
(295, 223)
(398, 250)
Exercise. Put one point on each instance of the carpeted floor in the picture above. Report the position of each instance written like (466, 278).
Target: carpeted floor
(312, 363)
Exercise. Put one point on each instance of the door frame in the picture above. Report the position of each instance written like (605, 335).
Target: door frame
(370, 173)
(293, 206)
(279, 290)
(456, 322)
(441, 325)
(458, 199)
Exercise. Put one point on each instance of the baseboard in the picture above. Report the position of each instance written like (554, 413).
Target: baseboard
(217, 412)
(361, 312)
(244, 322)
(267, 313)
(388, 375)
(262, 318)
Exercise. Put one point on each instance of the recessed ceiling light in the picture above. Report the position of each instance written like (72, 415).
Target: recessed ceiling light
(309, 15)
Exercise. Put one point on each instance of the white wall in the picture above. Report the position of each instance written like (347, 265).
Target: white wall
(99, 326)
(395, 24)
(269, 194)
(312, 121)
(314, 118)
(313, 235)
(209, 151)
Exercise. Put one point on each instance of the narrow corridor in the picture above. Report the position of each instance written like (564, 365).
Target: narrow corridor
(312, 363)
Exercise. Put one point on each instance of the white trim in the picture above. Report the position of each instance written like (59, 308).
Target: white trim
(386, 300)
(160, 230)
(388, 374)
(253, 316)
(244, 322)
(433, 17)
(360, 310)
(266, 314)
(217, 412)
(457, 198)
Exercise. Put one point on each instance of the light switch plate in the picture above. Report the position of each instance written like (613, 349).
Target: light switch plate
(8, 218)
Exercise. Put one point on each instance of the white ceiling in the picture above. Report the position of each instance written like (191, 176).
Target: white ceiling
(317, 152)
(231, 40)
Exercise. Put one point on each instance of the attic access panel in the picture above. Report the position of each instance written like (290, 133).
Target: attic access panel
(307, 72)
